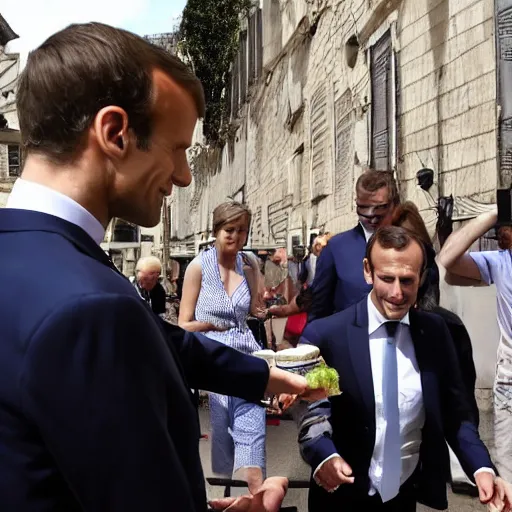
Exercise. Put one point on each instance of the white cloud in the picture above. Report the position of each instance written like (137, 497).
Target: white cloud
(35, 20)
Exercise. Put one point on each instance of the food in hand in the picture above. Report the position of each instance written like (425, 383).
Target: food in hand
(325, 378)
(305, 360)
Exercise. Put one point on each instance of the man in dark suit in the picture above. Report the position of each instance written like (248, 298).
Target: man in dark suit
(339, 280)
(95, 408)
(380, 445)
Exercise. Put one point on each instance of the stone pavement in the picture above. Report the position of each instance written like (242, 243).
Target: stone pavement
(283, 459)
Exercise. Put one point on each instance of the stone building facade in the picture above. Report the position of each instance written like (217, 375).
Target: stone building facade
(323, 89)
(10, 155)
(343, 86)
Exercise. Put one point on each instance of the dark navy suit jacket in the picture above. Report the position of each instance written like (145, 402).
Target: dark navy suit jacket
(95, 407)
(344, 343)
(339, 279)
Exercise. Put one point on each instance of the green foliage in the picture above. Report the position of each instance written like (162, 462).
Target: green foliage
(209, 32)
(324, 377)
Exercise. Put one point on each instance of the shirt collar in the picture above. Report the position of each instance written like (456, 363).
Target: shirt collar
(27, 195)
(376, 318)
(367, 234)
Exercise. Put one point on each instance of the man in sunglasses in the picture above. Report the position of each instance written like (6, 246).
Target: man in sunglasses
(339, 280)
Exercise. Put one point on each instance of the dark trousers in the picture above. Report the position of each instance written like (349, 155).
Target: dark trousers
(347, 501)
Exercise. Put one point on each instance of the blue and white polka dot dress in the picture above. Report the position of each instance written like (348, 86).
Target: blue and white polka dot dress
(238, 427)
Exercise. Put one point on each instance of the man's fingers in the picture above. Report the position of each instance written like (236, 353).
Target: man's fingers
(343, 478)
(485, 493)
(343, 471)
(314, 395)
(486, 486)
(221, 504)
(286, 401)
(347, 479)
(327, 480)
(271, 494)
(345, 468)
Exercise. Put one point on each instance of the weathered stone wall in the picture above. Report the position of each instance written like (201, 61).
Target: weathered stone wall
(448, 75)
(303, 137)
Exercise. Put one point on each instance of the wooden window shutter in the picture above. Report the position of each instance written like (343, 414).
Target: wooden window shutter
(381, 55)
(235, 79)
(252, 48)
(259, 42)
(243, 67)
(320, 145)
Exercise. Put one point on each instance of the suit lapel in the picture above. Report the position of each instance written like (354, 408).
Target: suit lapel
(359, 347)
(429, 382)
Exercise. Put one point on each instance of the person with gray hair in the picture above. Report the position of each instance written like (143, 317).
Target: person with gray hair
(145, 281)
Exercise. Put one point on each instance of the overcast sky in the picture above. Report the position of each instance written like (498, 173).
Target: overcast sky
(35, 20)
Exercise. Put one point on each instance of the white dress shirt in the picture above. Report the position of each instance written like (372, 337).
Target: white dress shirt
(410, 396)
(367, 234)
(27, 195)
(412, 412)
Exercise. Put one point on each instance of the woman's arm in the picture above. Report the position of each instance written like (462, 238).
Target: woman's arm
(191, 289)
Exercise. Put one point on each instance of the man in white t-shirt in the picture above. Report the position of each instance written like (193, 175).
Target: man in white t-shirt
(489, 267)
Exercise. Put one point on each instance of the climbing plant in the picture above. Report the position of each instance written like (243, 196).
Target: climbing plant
(209, 38)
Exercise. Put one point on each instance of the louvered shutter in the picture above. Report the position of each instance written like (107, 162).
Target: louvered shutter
(382, 103)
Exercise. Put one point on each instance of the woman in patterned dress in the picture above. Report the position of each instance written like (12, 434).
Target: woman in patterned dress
(216, 301)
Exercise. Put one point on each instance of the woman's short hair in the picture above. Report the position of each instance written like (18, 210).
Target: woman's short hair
(229, 212)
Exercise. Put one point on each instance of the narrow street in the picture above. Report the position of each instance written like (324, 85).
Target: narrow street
(284, 459)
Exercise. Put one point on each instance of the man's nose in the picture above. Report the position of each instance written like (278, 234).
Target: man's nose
(181, 177)
(397, 290)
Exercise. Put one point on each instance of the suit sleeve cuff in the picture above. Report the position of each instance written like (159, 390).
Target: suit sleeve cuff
(323, 462)
(485, 470)
(318, 451)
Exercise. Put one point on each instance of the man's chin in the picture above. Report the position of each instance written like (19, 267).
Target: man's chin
(396, 313)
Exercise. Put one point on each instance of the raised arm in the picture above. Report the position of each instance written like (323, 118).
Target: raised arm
(454, 257)
(191, 288)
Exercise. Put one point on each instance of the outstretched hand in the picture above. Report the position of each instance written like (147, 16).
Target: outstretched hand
(281, 382)
(268, 498)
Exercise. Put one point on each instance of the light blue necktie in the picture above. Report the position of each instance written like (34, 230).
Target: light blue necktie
(392, 463)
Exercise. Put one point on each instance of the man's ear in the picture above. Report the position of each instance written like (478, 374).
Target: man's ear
(368, 274)
(110, 129)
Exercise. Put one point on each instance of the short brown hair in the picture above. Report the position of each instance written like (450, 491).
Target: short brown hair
(82, 69)
(229, 212)
(408, 212)
(397, 238)
(371, 181)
